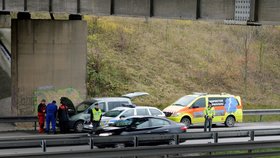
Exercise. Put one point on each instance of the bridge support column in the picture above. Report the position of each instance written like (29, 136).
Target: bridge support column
(5, 20)
(46, 53)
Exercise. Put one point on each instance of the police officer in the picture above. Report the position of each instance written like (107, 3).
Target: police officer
(209, 113)
(95, 117)
(51, 111)
(41, 115)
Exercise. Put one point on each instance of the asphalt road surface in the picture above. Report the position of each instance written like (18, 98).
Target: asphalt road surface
(242, 126)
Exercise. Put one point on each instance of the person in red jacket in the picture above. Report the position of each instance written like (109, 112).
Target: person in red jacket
(41, 115)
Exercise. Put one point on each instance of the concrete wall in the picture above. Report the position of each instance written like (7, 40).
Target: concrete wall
(5, 21)
(268, 10)
(5, 105)
(132, 7)
(185, 9)
(96, 7)
(46, 53)
(217, 9)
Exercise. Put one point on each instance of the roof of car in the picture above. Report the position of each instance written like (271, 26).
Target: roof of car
(142, 116)
(137, 107)
(223, 94)
(164, 118)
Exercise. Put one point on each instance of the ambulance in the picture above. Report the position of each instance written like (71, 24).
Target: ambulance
(189, 109)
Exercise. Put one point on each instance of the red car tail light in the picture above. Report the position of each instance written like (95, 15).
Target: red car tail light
(184, 128)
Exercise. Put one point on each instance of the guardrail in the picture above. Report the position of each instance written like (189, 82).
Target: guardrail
(45, 141)
(202, 150)
(13, 119)
(261, 112)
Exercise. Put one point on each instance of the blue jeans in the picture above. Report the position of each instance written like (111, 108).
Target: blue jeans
(52, 119)
(208, 123)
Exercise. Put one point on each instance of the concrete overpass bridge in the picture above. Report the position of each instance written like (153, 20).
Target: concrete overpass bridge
(232, 11)
(53, 52)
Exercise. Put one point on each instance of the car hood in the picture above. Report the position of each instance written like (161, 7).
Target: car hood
(135, 94)
(70, 105)
(172, 108)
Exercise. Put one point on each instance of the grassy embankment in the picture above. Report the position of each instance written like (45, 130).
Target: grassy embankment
(172, 58)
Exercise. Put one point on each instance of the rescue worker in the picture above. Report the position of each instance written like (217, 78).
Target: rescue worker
(209, 113)
(41, 115)
(51, 111)
(95, 117)
(63, 117)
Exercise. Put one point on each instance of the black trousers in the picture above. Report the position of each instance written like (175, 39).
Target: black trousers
(95, 124)
(64, 126)
(208, 123)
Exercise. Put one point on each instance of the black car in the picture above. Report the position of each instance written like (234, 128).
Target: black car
(139, 125)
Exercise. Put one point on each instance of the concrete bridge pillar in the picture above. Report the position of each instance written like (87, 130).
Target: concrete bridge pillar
(46, 53)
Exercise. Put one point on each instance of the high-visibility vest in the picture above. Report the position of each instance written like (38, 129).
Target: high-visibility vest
(209, 111)
(96, 114)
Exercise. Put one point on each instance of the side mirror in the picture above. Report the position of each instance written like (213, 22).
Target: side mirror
(122, 116)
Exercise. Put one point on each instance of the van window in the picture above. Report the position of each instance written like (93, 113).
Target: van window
(200, 103)
(102, 106)
(114, 104)
(217, 101)
(129, 112)
(155, 112)
(142, 112)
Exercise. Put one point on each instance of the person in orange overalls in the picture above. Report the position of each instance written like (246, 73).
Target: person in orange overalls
(41, 115)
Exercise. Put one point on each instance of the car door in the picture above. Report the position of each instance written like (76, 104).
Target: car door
(156, 112)
(197, 109)
(139, 126)
(127, 113)
(159, 126)
(142, 112)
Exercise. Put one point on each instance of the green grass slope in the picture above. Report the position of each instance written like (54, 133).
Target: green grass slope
(172, 58)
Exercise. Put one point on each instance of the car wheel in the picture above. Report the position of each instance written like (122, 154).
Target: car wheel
(230, 121)
(78, 127)
(186, 121)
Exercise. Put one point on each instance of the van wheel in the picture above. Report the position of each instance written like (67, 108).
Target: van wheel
(186, 121)
(230, 121)
(78, 127)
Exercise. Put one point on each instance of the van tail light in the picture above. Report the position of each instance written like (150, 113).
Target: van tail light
(184, 128)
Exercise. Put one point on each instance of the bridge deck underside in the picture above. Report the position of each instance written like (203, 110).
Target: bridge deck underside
(264, 10)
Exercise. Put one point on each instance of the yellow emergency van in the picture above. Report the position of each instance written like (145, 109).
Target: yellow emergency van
(189, 109)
